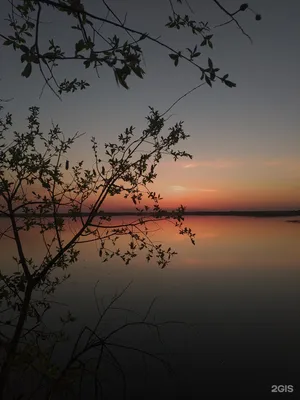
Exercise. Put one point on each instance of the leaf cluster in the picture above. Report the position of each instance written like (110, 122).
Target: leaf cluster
(93, 49)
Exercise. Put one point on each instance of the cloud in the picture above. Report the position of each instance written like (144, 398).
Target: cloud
(193, 165)
(177, 188)
(214, 164)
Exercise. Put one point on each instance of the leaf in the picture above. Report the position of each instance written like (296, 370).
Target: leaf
(27, 70)
(25, 49)
(123, 82)
(120, 78)
(45, 185)
(174, 57)
(144, 35)
(138, 71)
(210, 63)
(7, 43)
(208, 81)
(79, 46)
(87, 63)
(50, 55)
(230, 84)
(244, 7)
(24, 57)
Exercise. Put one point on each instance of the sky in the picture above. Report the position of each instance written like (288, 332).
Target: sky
(245, 141)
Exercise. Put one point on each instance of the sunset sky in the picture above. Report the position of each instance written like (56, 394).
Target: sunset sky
(245, 141)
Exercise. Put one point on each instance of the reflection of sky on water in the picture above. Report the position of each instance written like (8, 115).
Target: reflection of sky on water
(239, 286)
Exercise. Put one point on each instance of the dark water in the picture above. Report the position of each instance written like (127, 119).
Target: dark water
(237, 292)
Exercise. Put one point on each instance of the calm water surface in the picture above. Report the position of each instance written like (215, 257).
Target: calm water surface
(238, 290)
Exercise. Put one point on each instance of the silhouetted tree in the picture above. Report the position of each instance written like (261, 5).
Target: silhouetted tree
(63, 187)
(122, 53)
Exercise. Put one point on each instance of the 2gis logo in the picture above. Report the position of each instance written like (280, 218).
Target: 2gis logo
(282, 389)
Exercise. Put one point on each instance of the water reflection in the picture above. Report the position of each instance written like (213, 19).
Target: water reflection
(239, 286)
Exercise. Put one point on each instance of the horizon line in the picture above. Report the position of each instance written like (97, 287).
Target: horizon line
(282, 212)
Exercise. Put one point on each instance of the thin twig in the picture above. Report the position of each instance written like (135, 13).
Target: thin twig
(231, 15)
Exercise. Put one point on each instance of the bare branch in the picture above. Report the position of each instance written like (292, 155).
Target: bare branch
(232, 18)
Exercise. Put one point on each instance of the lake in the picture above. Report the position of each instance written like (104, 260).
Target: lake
(237, 292)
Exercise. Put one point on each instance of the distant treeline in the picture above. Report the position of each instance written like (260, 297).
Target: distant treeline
(293, 213)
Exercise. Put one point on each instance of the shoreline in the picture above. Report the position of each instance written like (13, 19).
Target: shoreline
(257, 214)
